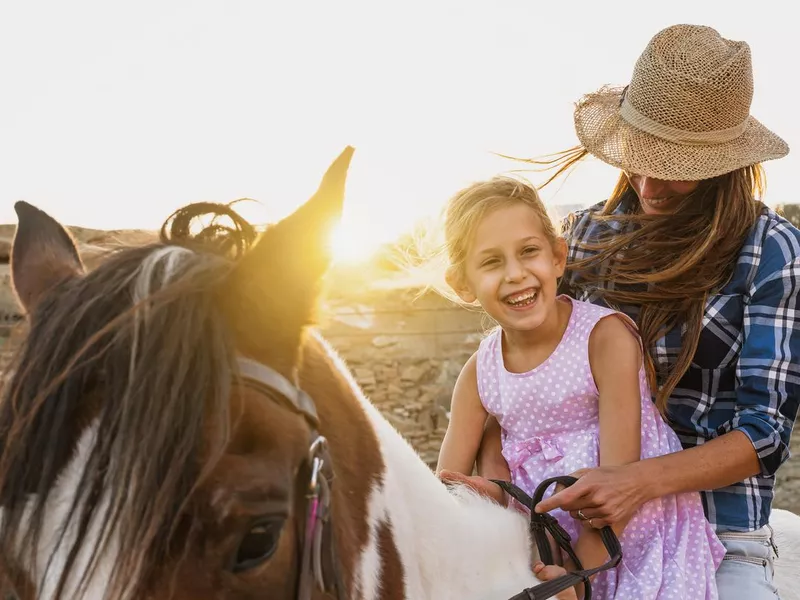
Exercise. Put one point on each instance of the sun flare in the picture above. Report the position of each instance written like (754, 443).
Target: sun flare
(354, 244)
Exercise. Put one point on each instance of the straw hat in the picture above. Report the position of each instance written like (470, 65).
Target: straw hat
(685, 115)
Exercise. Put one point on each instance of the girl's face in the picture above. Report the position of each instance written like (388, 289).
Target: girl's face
(658, 196)
(512, 269)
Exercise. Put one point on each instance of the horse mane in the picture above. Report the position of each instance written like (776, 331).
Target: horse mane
(124, 352)
(227, 239)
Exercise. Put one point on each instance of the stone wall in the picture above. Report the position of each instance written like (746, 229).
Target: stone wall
(406, 356)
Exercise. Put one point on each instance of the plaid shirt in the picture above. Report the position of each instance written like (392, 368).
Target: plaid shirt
(746, 372)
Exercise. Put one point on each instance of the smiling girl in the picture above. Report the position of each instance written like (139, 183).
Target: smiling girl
(565, 380)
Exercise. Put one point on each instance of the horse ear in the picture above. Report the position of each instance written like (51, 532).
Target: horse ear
(299, 245)
(278, 278)
(42, 255)
(303, 238)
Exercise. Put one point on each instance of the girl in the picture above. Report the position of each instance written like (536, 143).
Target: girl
(565, 380)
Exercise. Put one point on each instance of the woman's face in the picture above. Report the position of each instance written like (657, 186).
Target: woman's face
(658, 196)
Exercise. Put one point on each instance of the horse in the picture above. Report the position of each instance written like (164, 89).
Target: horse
(173, 426)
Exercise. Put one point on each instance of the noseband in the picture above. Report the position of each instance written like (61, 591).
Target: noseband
(317, 559)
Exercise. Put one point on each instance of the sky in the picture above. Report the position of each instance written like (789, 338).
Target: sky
(114, 114)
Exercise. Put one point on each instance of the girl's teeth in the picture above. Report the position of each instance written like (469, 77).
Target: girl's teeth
(526, 299)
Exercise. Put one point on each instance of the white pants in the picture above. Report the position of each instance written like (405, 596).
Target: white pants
(747, 571)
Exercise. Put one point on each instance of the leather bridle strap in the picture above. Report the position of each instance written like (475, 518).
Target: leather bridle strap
(318, 560)
(270, 382)
(542, 523)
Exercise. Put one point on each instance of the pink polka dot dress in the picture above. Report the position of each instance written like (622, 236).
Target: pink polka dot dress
(549, 417)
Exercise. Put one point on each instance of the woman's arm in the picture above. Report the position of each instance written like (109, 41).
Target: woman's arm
(467, 417)
(613, 494)
(719, 463)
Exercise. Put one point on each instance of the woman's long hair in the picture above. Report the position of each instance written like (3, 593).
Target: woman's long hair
(667, 266)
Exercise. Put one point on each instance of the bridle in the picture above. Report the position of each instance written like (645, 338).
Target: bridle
(540, 524)
(318, 562)
(317, 558)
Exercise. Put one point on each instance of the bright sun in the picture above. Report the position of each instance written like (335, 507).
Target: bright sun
(352, 241)
(353, 244)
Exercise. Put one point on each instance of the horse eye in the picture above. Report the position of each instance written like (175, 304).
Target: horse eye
(258, 544)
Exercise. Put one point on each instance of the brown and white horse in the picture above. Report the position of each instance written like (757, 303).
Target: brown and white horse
(156, 444)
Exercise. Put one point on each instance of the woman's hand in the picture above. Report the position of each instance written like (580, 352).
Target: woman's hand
(604, 495)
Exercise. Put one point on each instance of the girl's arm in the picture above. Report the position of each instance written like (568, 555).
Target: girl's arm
(467, 417)
(490, 462)
(615, 357)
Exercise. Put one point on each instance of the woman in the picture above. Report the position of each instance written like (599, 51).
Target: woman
(712, 279)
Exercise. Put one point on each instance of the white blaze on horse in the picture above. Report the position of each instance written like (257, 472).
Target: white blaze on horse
(156, 442)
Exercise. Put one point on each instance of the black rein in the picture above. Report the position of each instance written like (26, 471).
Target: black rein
(540, 525)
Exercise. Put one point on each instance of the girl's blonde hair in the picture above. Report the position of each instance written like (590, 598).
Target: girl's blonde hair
(469, 206)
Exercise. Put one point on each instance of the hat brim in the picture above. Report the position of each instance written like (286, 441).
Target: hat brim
(606, 135)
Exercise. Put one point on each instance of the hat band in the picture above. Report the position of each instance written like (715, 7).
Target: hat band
(679, 136)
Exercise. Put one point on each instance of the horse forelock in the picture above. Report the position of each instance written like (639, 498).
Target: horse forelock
(112, 361)
(158, 269)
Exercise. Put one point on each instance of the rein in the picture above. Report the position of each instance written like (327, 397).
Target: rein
(317, 559)
(543, 523)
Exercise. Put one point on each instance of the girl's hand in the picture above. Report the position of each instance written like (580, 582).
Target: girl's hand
(606, 495)
(481, 485)
(549, 572)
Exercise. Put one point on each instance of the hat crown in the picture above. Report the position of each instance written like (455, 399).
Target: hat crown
(690, 78)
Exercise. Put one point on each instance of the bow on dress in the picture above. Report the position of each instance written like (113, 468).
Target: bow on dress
(517, 453)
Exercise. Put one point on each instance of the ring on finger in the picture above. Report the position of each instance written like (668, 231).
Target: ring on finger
(582, 516)
(590, 523)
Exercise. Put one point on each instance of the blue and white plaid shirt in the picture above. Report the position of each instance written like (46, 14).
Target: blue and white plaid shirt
(746, 372)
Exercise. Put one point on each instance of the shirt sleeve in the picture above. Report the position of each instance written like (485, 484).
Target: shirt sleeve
(769, 364)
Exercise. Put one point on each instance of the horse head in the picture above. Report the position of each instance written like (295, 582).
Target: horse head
(155, 441)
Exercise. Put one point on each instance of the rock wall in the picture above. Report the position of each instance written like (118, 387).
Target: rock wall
(406, 355)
